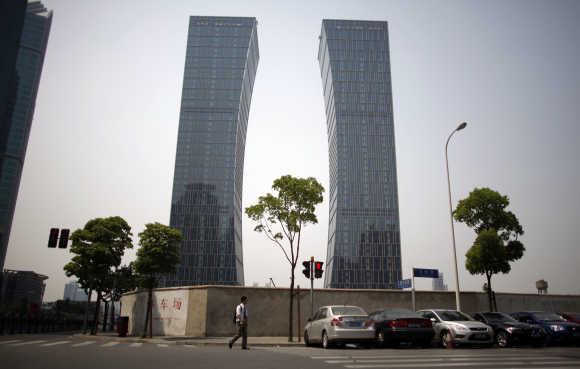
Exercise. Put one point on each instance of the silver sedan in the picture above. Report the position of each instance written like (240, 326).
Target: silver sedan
(338, 325)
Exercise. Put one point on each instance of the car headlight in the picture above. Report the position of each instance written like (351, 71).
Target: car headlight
(460, 328)
(510, 329)
(557, 328)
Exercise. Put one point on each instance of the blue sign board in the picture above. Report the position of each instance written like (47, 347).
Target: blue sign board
(405, 283)
(425, 273)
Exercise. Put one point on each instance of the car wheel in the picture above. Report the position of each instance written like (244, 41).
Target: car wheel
(425, 344)
(502, 339)
(325, 341)
(446, 339)
(306, 340)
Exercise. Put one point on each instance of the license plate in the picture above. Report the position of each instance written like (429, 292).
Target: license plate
(480, 336)
(414, 325)
(354, 324)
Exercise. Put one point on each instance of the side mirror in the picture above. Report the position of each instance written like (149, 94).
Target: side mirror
(433, 320)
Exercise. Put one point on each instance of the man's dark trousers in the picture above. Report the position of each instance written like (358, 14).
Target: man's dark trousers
(242, 332)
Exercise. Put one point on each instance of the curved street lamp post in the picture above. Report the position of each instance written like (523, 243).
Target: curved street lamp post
(457, 302)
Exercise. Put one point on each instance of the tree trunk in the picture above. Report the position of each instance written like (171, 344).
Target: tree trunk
(291, 310)
(105, 316)
(112, 326)
(95, 327)
(488, 275)
(86, 319)
(147, 312)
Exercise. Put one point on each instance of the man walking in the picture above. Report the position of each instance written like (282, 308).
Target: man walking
(242, 323)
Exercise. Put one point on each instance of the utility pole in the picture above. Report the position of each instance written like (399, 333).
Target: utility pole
(311, 286)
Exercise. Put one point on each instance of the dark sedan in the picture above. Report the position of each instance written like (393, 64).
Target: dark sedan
(393, 326)
(559, 330)
(509, 331)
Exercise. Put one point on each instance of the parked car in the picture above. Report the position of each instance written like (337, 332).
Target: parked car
(571, 317)
(559, 330)
(509, 331)
(457, 328)
(338, 325)
(393, 326)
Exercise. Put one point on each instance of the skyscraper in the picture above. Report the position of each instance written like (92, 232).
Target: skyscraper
(25, 28)
(220, 67)
(364, 249)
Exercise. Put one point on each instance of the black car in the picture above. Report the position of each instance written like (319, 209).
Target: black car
(509, 331)
(393, 326)
(558, 329)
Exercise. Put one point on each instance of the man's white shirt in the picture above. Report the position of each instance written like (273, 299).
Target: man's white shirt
(241, 311)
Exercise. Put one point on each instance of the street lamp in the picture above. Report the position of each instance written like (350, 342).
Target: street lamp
(457, 302)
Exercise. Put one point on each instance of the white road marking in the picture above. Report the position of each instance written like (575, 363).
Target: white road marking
(55, 343)
(28, 343)
(190, 346)
(419, 365)
(328, 357)
(111, 344)
(7, 342)
(162, 345)
(136, 344)
(86, 343)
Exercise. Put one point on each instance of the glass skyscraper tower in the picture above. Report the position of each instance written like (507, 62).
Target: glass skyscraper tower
(364, 249)
(24, 30)
(220, 67)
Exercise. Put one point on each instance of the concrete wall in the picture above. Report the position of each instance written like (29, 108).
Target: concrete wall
(202, 311)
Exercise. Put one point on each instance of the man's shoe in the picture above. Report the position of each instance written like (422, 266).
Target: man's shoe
(245, 348)
(229, 344)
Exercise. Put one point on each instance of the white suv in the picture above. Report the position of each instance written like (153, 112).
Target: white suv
(455, 327)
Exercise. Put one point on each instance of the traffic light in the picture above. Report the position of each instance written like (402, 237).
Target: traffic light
(53, 237)
(306, 270)
(318, 269)
(62, 243)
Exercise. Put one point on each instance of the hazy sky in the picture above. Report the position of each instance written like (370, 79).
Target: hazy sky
(105, 127)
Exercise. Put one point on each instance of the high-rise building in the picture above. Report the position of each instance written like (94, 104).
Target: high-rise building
(364, 249)
(24, 28)
(220, 67)
(73, 292)
(438, 283)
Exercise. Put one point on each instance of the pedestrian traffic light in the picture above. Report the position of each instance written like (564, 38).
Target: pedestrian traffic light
(63, 241)
(306, 270)
(53, 237)
(318, 269)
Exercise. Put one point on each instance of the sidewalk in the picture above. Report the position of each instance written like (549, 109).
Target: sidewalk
(196, 341)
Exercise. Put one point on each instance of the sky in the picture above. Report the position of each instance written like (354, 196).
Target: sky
(104, 133)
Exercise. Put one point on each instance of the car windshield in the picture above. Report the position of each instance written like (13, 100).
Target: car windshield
(498, 317)
(396, 314)
(453, 316)
(347, 310)
(548, 317)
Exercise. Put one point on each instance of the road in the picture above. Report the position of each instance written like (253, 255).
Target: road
(72, 352)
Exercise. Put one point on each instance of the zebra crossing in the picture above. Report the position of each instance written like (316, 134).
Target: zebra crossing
(433, 359)
(77, 344)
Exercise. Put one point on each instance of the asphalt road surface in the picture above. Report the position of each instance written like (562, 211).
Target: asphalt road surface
(81, 352)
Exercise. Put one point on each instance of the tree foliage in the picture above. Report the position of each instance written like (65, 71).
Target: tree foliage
(158, 254)
(283, 215)
(98, 249)
(496, 243)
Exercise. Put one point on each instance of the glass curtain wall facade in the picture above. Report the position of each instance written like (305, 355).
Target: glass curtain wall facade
(19, 88)
(364, 249)
(220, 67)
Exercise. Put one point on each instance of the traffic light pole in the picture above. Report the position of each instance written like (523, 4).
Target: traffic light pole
(311, 286)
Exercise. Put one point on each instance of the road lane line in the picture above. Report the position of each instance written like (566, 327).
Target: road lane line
(190, 346)
(54, 343)
(111, 344)
(7, 342)
(136, 344)
(27, 343)
(162, 345)
(86, 343)
(329, 357)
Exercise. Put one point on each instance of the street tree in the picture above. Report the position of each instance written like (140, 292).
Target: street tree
(283, 215)
(497, 231)
(124, 280)
(158, 254)
(98, 249)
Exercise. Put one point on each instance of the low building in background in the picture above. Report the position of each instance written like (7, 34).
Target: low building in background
(438, 284)
(73, 292)
(18, 287)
